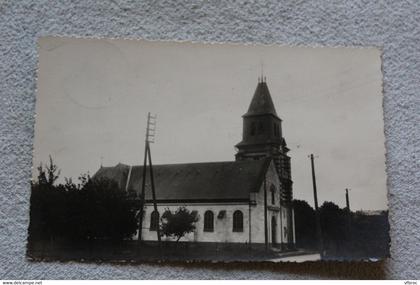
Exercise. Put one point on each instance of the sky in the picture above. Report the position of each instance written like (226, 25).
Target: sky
(93, 96)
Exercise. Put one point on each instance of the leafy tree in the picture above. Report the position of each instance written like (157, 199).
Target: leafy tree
(49, 174)
(108, 212)
(370, 234)
(45, 203)
(305, 224)
(345, 235)
(333, 221)
(179, 223)
(333, 224)
(90, 209)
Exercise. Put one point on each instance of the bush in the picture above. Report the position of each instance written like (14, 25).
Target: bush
(179, 223)
(91, 209)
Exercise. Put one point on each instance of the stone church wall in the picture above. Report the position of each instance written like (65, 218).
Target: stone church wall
(273, 210)
(223, 227)
(253, 230)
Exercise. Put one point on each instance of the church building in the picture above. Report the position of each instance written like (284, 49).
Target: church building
(248, 200)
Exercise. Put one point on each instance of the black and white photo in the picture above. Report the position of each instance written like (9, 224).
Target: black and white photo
(220, 152)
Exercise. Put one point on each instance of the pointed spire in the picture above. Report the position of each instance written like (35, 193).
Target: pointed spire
(261, 102)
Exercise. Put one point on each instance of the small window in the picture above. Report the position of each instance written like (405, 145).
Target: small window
(154, 221)
(208, 221)
(260, 128)
(276, 129)
(273, 195)
(253, 129)
(238, 221)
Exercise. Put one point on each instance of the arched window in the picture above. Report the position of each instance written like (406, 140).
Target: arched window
(273, 194)
(253, 129)
(208, 221)
(260, 128)
(238, 221)
(154, 221)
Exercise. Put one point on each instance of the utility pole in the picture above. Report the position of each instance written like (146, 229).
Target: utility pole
(317, 217)
(347, 200)
(150, 138)
(348, 215)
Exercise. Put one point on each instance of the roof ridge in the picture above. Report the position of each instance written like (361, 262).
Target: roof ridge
(205, 180)
(191, 163)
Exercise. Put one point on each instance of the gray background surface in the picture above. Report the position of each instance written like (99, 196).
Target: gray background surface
(392, 25)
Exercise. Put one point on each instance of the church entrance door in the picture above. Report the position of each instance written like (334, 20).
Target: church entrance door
(273, 230)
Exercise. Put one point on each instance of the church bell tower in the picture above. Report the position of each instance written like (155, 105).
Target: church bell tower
(263, 137)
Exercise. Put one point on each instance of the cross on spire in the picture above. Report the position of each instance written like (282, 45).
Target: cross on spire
(262, 70)
(262, 78)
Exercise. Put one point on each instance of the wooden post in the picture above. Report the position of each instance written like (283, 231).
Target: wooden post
(151, 121)
(347, 200)
(317, 217)
(152, 182)
(349, 236)
(142, 195)
(265, 214)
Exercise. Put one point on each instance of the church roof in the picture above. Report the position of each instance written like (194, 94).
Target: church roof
(261, 101)
(194, 182)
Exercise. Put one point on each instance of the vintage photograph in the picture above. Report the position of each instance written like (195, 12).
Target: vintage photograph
(154, 151)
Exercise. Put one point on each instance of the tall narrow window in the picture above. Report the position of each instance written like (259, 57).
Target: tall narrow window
(253, 129)
(273, 195)
(238, 221)
(208, 221)
(260, 128)
(154, 221)
(276, 129)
